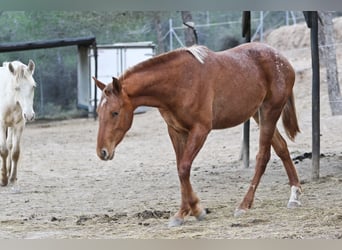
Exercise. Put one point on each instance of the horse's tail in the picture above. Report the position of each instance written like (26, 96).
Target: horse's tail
(289, 118)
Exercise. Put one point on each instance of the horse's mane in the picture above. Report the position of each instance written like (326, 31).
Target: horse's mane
(199, 53)
(19, 67)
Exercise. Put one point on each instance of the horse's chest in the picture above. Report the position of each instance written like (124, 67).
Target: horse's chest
(13, 116)
(172, 121)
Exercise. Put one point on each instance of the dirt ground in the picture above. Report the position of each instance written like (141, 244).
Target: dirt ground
(65, 191)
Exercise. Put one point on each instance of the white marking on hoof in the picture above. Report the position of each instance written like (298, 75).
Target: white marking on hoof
(202, 215)
(239, 212)
(294, 198)
(293, 204)
(175, 222)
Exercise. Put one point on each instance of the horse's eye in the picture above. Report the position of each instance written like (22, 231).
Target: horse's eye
(114, 113)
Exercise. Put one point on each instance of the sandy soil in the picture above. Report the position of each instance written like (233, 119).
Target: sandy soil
(65, 191)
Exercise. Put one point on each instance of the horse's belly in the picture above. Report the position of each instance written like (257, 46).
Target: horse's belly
(227, 120)
(233, 113)
(234, 104)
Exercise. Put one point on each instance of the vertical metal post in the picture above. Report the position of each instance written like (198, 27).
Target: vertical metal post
(95, 87)
(315, 96)
(246, 32)
(261, 26)
(170, 34)
(293, 17)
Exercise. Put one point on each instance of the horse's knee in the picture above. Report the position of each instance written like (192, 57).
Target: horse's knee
(15, 154)
(3, 151)
(184, 171)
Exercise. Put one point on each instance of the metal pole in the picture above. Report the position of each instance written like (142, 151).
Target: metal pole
(261, 25)
(293, 17)
(42, 111)
(315, 96)
(95, 87)
(171, 29)
(246, 32)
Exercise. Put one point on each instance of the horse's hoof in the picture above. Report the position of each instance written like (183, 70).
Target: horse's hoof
(202, 215)
(3, 183)
(293, 204)
(239, 212)
(12, 181)
(176, 222)
(294, 198)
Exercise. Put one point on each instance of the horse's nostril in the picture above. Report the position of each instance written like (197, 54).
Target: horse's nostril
(29, 117)
(104, 153)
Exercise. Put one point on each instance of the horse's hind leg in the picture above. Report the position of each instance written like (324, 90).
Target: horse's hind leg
(280, 147)
(268, 119)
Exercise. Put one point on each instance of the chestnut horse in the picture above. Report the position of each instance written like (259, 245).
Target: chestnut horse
(197, 90)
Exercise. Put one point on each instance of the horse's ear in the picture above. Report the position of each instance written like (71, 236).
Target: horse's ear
(11, 68)
(99, 84)
(31, 66)
(116, 85)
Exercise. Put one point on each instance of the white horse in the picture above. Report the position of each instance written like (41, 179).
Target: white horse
(16, 107)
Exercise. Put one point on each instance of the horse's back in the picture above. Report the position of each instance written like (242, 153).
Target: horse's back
(255, 64)
(276, 70)
(263, 55)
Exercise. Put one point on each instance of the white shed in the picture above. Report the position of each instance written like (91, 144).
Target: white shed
(113, 60)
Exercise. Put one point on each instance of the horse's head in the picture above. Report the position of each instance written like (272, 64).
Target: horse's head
(24, 86)
(115, 114)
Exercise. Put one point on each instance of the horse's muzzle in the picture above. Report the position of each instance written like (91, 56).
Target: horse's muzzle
(104, 155)
(29, 117)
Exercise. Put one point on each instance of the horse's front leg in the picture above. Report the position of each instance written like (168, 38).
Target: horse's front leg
(3, 154)
(14, 136)
(9, 144)
(186, 146)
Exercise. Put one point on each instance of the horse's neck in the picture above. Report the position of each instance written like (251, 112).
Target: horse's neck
(148, 88)
(8, 94)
